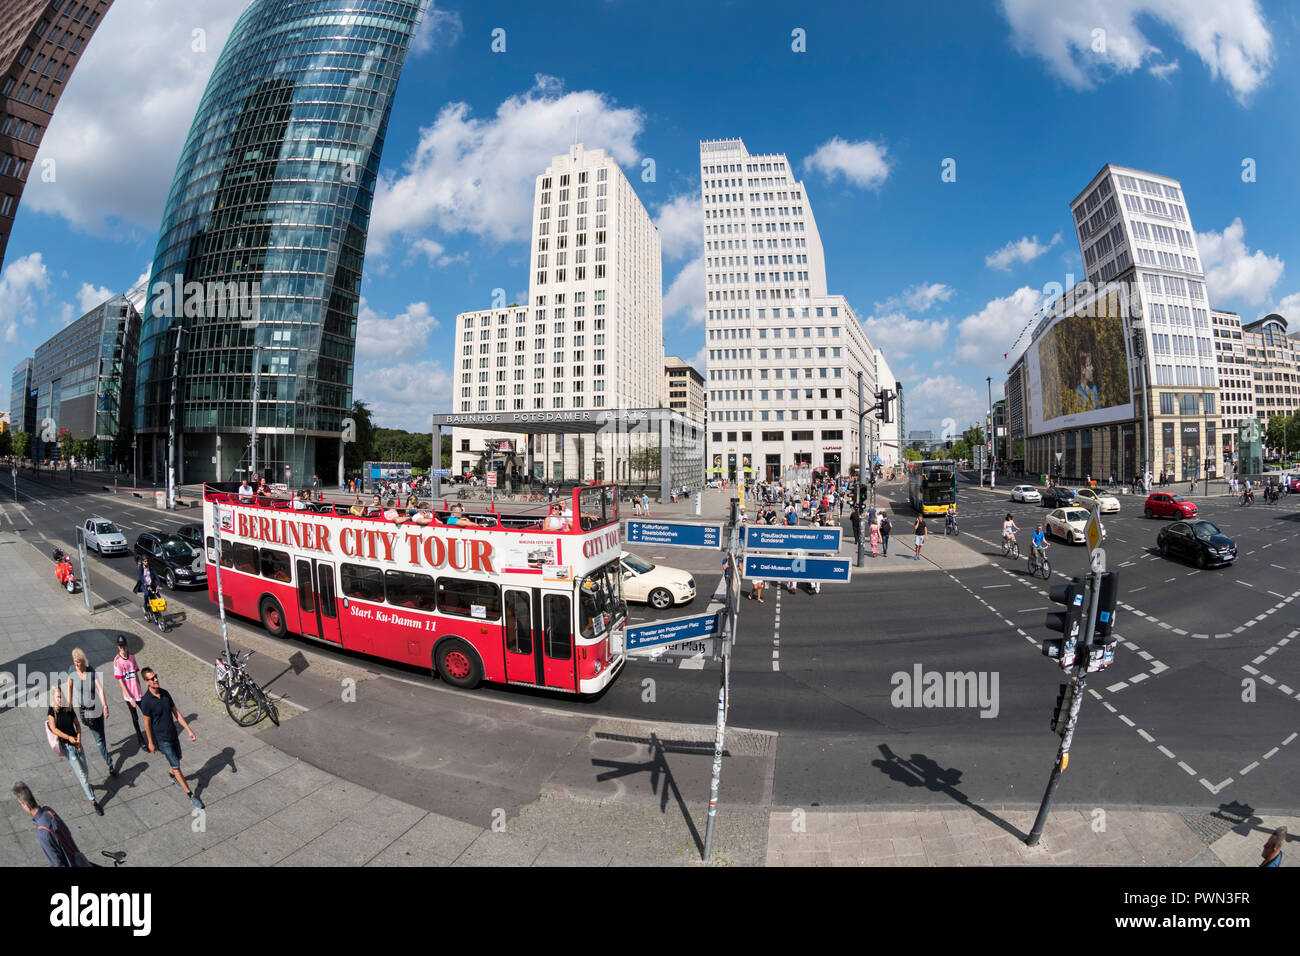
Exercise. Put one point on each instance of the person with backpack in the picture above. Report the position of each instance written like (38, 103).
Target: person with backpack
(885, 528)
(86, 697)
(51, 832)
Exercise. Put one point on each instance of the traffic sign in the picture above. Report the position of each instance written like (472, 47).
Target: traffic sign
(679, 534)
(1093, 531)
(492, 479)
(789, 538)
(676, 631)
(789, 567)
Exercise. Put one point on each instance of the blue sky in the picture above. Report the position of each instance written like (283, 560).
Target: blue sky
(1027, 98)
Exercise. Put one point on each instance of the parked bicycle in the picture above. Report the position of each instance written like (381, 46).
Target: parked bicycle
(245, 700)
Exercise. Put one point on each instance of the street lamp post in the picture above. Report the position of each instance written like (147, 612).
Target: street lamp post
(171, 421)
(991, 444)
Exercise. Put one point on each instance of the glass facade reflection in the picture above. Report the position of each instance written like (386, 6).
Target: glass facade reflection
(260, 251)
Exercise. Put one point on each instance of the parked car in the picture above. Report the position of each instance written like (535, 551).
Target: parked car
(1025, 493)
(1057, 497)
(1069, 524)
(103, 536)
(1162, 504)
(655, 584)
(191, 534)
(172, 559)
(1092, 498)
(1199, 541)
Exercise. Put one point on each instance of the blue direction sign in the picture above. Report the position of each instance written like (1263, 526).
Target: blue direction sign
(788, 567)
(672, 632)
(789, 538)
(679, 534)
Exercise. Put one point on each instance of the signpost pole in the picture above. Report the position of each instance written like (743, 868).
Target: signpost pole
(221, 594)
(730, 616)
(85, 575)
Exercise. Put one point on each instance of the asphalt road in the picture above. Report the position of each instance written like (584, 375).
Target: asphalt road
(1197, 695)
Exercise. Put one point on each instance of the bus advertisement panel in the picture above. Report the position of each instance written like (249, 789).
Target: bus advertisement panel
(515, 599)
(1079, 367)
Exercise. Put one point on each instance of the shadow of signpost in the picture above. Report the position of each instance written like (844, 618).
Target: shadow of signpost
(920, 771)
(662, 782)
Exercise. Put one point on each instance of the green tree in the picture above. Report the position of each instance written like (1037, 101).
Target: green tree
(911, 454)
(22, 445)
(973, 435)
(66, 441)
(356, 453)
(6, 443)
(444, 458)
(961, 449)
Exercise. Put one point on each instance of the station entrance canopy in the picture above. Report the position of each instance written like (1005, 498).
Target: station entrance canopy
(680, 439)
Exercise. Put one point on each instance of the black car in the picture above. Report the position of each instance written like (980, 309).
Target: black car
(1057, 497)
(172, 560)
(191, 534)
(1198, 541)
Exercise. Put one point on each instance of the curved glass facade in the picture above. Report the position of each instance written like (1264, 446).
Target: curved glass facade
(260, 250)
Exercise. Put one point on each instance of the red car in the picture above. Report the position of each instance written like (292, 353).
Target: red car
(1162, 504)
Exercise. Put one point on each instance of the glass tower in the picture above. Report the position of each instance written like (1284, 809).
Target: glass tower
(257, 273)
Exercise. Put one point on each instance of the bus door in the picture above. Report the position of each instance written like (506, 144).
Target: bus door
(539, 638)
(318, 605)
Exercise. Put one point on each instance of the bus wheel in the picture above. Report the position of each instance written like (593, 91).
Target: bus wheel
(273, 617)
(458, 665)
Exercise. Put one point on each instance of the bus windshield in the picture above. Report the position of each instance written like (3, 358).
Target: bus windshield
(601, 600)
(939, 485)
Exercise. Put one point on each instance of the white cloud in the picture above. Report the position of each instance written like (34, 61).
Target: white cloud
(20, 286)
(381, 339)
(1024, 249)
(1229, 36)
(11, 333)
(943, 404)
(686, 294)
(680, 225)
(983, 338)
(477, 175)
(1231, 271)
(438, 26)
(1289, 309)
(900, 337)
(434, 253)
(404, 395)
(89, 296)
(118, 132)
(862, 163)
(917, 298)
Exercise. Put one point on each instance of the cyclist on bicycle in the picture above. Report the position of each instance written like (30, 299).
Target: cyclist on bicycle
(950, 518)
(1009, 530)
(1039, 544)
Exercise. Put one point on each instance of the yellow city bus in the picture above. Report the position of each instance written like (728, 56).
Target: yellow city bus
(932, 486)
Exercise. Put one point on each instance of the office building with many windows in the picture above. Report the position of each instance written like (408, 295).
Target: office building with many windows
(784, 355)
(41, 42)
(257, 273)
(1121, 373)
(590, 338)
(22, 399)
(683, 388)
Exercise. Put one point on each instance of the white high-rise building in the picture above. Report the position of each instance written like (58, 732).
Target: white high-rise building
(889, 448)
(591, 334)
(783, 354)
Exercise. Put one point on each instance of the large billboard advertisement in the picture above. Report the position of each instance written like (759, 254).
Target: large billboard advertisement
(1079, 367)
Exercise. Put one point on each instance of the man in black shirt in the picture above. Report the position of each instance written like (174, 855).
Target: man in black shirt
(160, 718)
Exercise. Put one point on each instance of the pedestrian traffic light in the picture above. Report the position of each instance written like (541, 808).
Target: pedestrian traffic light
(1068, 622)
(1061, 715)
(1107, 597)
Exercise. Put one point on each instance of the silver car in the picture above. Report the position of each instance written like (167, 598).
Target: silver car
(103, 536)
(1026, 493)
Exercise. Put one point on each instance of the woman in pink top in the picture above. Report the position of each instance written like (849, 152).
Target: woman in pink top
(126, 670)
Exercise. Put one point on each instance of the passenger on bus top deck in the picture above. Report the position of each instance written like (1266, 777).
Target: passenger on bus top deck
(553, 521)
(421, 516)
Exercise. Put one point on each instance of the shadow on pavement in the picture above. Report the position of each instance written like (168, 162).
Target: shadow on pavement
(921, 771)
(657, 766)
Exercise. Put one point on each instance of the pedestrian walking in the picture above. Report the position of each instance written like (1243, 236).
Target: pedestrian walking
(875, 534)
(160, 718)
(64, 733)
(645, 504)
(756, 590)
(1273, 848)
(51, 832)
(1191, 490)
(919, 530)
(855, 519)
(886, 526)
(127, 672)
(636, 504)
(86, 696)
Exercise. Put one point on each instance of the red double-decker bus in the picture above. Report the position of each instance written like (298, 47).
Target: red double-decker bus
(475, 594)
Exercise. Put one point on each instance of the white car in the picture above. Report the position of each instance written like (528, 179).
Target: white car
(1069, 524)
(103, 536)
(655, 584)
(1026, 493)
(1092, 498)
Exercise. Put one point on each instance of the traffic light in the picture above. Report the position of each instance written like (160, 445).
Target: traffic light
(1107, 597)
(884, 397)
(1061, 716)
(1069, 622)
